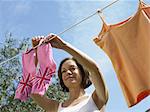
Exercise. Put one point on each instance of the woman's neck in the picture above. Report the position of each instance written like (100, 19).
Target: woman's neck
(76, 93)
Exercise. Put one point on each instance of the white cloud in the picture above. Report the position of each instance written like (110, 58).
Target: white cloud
(12, 11)
(82, 35)
(22, 7)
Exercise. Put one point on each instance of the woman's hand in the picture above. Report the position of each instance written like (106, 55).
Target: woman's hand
(37, 40)
(55, 41)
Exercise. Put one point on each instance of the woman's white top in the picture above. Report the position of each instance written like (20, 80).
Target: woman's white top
(87, 105)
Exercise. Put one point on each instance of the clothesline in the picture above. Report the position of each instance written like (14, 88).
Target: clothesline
(10, 59)
(98, 11)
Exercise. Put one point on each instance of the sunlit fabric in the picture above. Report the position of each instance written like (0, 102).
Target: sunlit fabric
(24, 87)
(42, 79)
(128, 46)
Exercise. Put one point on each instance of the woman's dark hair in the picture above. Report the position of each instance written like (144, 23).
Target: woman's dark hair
(84, 73)
(148, 110)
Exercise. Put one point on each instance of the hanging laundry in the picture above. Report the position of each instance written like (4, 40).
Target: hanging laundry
(24, 87)
(128, 46)
(42, 79)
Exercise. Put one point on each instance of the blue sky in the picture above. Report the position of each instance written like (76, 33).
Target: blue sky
(28, 18)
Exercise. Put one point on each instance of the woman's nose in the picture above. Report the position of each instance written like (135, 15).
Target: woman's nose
(69, 72)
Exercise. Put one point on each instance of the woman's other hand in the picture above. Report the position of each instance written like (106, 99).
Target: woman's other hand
(37, 40)
(55, 41)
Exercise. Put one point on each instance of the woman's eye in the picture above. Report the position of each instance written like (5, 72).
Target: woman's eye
(72, 69)
(63, 71)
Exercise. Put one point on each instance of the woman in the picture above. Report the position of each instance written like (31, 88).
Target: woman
(74, 79)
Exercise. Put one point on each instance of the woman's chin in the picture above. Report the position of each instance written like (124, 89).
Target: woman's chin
(72, 80)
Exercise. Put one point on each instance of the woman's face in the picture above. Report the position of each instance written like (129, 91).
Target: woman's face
(71, 74)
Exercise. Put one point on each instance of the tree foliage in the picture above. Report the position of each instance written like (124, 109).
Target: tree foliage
(10, 74)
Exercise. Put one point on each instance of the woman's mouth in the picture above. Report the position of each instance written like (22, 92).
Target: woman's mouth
(70, 77)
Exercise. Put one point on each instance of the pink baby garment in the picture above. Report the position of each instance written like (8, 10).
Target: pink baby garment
(24, 87)
(42, 79)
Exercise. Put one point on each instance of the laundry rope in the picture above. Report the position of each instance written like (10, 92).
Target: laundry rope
(87, 17)
(108, 6)
(98, 11)
(10, 59)
(13, 57)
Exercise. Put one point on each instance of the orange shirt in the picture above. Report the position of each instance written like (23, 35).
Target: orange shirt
(128, 46)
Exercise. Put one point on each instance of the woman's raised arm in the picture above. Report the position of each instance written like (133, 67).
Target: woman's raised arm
(100, 94)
